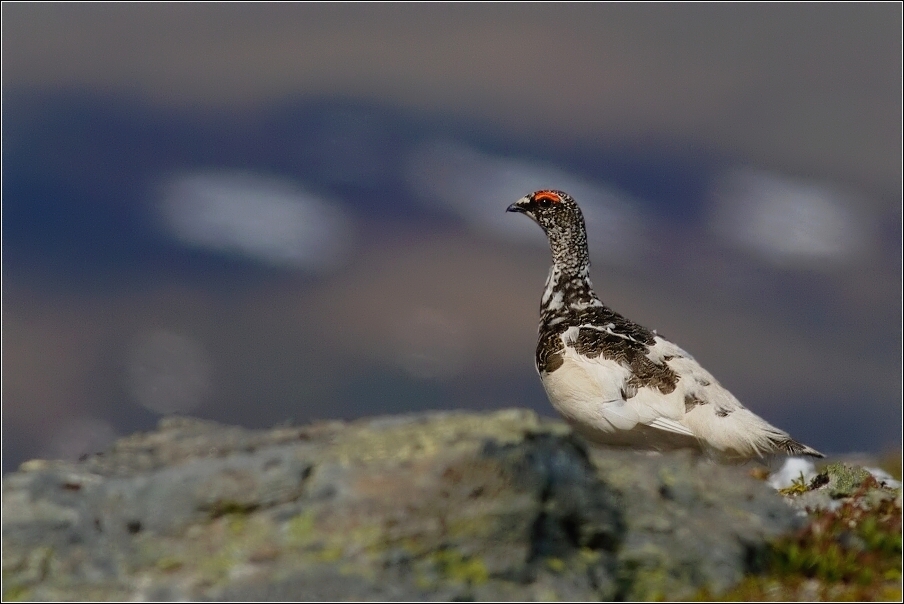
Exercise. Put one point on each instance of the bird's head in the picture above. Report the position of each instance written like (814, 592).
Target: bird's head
(554, 211)
(559, 216)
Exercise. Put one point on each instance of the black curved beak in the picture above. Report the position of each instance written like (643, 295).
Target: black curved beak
(517, 207)
(514, 208)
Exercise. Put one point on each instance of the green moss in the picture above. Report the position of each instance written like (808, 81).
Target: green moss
(228, 506)
(236, 524)
(556, 565)
(168, 564)
(452, 565)
(303, 532)
(300, 529)
(473, 526)
(16, 593)
(32, 568)
(649, 584)
(214, 568)
(330, 554)
(589, 556)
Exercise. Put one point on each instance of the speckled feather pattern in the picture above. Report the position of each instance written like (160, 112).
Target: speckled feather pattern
(619, 383)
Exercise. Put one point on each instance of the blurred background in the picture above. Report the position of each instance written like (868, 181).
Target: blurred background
(261, 213)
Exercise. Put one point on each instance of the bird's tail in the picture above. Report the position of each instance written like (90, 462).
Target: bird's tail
(792, 447)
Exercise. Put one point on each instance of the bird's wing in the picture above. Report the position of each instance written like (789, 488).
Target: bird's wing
(612, 361)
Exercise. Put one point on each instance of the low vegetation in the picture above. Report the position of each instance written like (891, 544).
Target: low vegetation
(849, 551)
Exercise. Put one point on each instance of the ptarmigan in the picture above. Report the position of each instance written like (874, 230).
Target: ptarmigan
(618, 383)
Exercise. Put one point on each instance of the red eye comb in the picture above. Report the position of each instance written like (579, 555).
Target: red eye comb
(547, 196)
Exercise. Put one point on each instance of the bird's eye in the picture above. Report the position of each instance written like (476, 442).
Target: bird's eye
(545, 199)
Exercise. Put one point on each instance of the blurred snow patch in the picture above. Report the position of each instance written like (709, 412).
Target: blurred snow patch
(269, 219)
(884, 478)
(478, 187)
(790, 222)
(792, 470)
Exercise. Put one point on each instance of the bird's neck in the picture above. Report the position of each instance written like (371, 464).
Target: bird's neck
(568, 287)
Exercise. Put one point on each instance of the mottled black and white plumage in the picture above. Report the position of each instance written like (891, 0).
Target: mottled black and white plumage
(618, 383)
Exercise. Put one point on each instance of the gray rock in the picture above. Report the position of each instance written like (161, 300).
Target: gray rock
(438, 506)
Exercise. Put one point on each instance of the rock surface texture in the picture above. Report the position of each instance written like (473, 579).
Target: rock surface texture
(438, 506)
